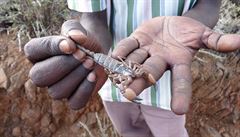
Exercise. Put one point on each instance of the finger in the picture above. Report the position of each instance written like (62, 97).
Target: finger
(75, 31)
(219, 42)
(138, 56)
(72, 25)
(51, 70)
(41, 48)
(100, 73)
(80, 98)
(125, 47)
(181, 88)
(66, 86)
(156, 66)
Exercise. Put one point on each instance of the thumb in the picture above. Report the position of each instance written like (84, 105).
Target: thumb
(221, 42)
(39, 49)
(75, 31)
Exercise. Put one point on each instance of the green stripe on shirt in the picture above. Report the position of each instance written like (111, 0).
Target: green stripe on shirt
(96, 5)
(153, 96)
(114, 93)
(155, 8)
(180, 6)
(191, 4)
(130, 17)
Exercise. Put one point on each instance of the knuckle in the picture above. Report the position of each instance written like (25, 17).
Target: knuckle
(69, 25)
(179, 109)
(54, 94)
(88, 64)
(52, 44)
(49, 45)
(38, 76)
(34, 76)
(73, 107)
(28, 48)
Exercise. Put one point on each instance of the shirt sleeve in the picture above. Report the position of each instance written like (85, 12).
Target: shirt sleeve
(87, 5)
(189, 4)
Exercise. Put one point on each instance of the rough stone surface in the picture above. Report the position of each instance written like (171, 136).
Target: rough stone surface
(3, 1)
(236, 1)
(30, 91)
(16, 132)
(3, 79)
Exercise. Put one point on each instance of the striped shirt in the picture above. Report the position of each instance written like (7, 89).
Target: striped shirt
(124, 16)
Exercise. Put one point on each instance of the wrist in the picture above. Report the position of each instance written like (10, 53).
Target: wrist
(97, 27)
(206, 12)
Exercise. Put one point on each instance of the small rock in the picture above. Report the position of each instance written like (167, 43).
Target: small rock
(52, 128)
(237, 2)
(16, 132)
(10, 61)
(26, 134)
(91, 118)
(1, 130)
(17, 81)
(57, 107)
(3, 79)
(208, 131)
(30, 90)
(226, 135)
(12, 66)
(31, 115)
(75, 128)
(16, 119)
(72, 116)
(83, 118)
(45, 132)
(45, 121)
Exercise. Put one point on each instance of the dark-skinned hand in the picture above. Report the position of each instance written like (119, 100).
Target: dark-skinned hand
(170, 43)
(63, 68)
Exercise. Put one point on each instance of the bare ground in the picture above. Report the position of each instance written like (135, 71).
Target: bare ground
(215, 110)
(28, 111)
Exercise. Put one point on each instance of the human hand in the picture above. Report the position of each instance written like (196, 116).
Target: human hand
(63, 68)
(164, 43)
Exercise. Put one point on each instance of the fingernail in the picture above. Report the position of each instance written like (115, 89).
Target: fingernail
(91, 77)
(79, 55)
(151, 79)
(129, 94)
(88, 63)
(65, 47)
(77, 35)
(75, 32)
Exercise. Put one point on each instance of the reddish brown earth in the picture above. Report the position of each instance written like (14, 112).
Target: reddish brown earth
(28, 111)
(215, 110)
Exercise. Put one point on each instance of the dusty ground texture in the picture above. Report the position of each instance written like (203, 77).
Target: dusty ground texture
(28, 111)
(215, 111)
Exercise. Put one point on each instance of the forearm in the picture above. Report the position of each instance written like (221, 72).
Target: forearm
(96, 24)
(206, 12)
